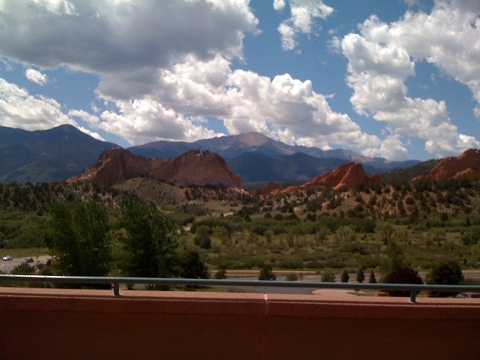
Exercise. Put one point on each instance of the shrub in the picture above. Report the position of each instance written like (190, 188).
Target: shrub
(292, 277)
(345, 276)
(328, 276)
(290, 264)
(266, 273)
(221, 273)
(314, 265)
(445, 273)
(404, 275)
(372, 279)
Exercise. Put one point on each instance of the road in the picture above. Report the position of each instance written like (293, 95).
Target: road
(8, 266)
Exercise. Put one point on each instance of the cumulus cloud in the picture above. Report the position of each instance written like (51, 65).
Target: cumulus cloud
(36, 76)
(383, 56)
(142, 121)
(19, 109)
(278, 4)
(283, 108)
(302, 20)
(390, 148)
(164, 69)
(108, 36)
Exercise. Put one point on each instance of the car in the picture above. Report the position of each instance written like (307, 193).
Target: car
(468, 295)
(7, 258)
(29, 260)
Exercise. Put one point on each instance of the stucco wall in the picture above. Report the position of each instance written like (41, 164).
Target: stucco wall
(55, 324)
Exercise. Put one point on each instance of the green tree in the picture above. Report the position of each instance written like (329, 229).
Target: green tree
(78, 237)
(192, 266)
(149, 246)
(394, 260)
(345, 234)
(221, 272)
(202, 237)
(372, 279)
(405, 275)
(266, 273)
(360, 275)
(445, 273)
(345, 277)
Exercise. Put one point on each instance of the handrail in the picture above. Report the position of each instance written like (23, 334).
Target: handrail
(116, 281)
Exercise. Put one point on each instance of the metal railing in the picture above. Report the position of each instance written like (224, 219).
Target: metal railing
(116, 281)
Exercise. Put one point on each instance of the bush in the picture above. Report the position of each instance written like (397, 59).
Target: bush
(445, 273)
(290, 264)
(314, 265)
(221, 273)
(266, 273)
(345, 276)
(292, 277)
(404, 275)
(328, 276)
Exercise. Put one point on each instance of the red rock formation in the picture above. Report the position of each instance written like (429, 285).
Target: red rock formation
(345, 176)
(466, 166)
(194, 168)
(271, 186)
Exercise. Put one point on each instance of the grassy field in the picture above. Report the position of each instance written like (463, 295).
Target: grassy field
(16, 253)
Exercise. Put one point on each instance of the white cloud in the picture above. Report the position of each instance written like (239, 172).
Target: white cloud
(58, 7)
(18, 109)
(36, 76)
(391, 148)
(143, 121)
(278, 4)
(91, 133)
(107, 37)
(382, 57)
(284, 108)
(303, 15)
(476, 112)
(91, 120)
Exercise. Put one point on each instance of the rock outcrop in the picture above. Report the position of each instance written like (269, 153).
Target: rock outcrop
(466, 166)
(194, 168)
(343, 177)
(271, 186)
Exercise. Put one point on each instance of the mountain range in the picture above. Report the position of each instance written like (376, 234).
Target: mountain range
(64, 152)
(46, 156)
(274, 160)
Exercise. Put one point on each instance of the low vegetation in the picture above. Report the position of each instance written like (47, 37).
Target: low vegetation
(166, 231)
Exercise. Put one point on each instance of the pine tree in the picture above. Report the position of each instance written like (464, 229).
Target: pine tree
(360, 275)
(372, 279)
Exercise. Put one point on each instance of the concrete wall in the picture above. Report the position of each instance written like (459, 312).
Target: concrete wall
(69, 324)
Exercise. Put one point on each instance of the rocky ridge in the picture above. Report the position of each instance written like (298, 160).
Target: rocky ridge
(193, 168)
(464, 167)
(343, 177)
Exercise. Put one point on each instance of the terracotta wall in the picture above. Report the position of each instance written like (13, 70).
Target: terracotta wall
(143, 325)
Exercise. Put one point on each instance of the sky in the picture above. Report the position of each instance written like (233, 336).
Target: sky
(398, 79)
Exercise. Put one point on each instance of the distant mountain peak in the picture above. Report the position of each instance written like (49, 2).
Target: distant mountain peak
(252, 138)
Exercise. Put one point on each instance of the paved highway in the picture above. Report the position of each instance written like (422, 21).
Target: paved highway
(8, 266)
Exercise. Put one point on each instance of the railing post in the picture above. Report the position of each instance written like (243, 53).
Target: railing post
(413, 296)
(116, 288)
